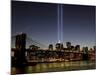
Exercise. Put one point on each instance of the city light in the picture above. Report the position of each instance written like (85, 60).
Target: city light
(60, 22)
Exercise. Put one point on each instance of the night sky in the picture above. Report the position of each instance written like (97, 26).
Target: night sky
(39, 21)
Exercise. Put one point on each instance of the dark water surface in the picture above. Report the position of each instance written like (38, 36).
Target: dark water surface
(55, 66)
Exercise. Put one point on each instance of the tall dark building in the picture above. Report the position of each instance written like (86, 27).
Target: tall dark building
(62, 47)
(68, 44)
(59, 46)
(85, 50)
(85, 53)
(94, 47)
(50, 47)
(72, 48)
(77, 47)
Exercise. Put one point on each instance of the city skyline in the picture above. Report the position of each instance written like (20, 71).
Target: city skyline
(78, 22)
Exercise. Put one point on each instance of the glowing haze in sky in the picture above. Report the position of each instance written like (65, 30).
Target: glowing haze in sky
(76, 23)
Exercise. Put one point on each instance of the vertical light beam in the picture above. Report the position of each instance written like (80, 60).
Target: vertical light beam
(60, 22)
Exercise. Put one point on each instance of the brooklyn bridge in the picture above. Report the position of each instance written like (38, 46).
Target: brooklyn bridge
(34, 54)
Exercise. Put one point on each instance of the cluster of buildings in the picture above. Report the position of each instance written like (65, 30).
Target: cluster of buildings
(60, 53)
(69, 47)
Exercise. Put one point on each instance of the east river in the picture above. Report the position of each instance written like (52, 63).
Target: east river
(55, 66)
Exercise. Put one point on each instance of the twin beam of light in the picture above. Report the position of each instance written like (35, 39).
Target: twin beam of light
(60, 22)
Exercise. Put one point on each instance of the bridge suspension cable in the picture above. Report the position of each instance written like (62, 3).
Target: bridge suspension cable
(29, 41)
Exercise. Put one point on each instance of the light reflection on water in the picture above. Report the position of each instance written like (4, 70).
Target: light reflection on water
(58, 66)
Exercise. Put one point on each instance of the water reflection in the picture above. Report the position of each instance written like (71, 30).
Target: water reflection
(57, 66)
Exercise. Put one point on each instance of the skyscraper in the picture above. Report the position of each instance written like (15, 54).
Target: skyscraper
(77, 47)
(59, 46)
(68, 44)
(50, 47)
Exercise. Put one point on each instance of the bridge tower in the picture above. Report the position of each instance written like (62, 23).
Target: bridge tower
(20, 45)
